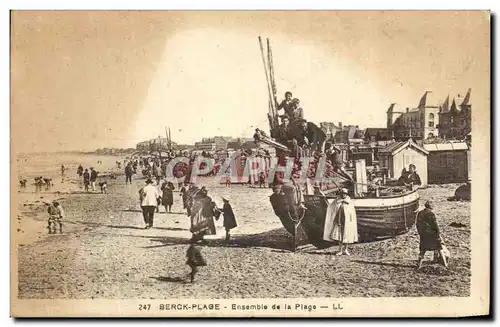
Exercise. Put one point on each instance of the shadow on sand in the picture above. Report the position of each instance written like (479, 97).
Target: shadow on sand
(123, 227)
(171, 228)
(389, 264)
(171, 279)
(275, 239)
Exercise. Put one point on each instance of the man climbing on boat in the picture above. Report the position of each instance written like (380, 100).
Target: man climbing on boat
(286, 105)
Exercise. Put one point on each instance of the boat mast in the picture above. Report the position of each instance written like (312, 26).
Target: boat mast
(271, 107)
(274, 100)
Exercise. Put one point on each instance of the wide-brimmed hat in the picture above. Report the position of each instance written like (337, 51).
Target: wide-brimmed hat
(344, 191)
(149, 181)
(224, 199)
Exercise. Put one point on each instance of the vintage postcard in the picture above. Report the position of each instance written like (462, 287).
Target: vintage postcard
(250, 163)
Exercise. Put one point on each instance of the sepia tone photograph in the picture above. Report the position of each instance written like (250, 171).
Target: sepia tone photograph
(250, 163)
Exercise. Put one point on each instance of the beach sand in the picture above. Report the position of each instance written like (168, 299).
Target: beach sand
(106, 253)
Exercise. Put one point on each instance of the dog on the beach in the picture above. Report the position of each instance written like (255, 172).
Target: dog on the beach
(104, 187)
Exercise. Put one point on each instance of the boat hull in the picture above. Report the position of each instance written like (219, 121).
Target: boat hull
(376, 217)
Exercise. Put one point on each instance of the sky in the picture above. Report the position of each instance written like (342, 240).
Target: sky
(84, 80)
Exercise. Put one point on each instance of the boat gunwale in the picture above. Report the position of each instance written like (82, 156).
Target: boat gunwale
(360, 198)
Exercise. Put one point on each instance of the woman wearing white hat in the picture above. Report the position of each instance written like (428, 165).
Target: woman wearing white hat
(340, 223)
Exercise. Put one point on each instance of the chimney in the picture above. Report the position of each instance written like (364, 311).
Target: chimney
(340, 125)
(407, 109)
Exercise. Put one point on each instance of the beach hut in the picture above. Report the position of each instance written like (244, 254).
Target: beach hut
(448, 162)
(400, 155)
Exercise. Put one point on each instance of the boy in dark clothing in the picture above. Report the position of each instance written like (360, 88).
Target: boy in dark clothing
(194, 260)
(229, 218)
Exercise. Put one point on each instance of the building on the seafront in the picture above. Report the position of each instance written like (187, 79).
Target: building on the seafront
(400, 155)
(350, 134)
(448, 162)
(330, 129)
(455, 121)
(213, 143)
(375, 134)
(155, 144)
(417, 123)
(242, 143)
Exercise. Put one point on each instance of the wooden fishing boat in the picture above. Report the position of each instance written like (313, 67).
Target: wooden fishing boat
(388, 212)
(377, 218)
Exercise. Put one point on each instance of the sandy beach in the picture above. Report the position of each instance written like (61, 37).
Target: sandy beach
(105, 253)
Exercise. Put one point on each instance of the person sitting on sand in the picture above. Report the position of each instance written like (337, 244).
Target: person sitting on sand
(341, 222)
(194, 260)
(430, 236)
(56, 214)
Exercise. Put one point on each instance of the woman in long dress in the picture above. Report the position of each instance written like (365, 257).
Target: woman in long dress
(168, 195)
(340, 223)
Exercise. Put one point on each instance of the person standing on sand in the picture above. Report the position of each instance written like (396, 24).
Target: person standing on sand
(128, 173)
(56, 214)
(79, 171)
(430, 236)
(229, 218)
(194, 260)
(167, 189)
(63, 169)
(341, 222)
(86, 180)
(148, 196)
(93, 178)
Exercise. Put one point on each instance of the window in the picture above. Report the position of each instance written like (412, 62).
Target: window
(431, 120)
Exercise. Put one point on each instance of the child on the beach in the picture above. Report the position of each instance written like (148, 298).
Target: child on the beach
(56, 214)
(194, 260)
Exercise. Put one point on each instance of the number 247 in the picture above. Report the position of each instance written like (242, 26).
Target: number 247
(143, 307)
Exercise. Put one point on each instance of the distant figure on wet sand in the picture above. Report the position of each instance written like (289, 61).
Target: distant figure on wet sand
(104, 187)
(340, 223)
(56, 214)
(63, 169)
(23, 182)
(38, 183)
(86, 180)
(430, 236)
(48, 183)
(129, 171)
(93, 178)
(148, 196)
(79, 171)
(194, 260)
